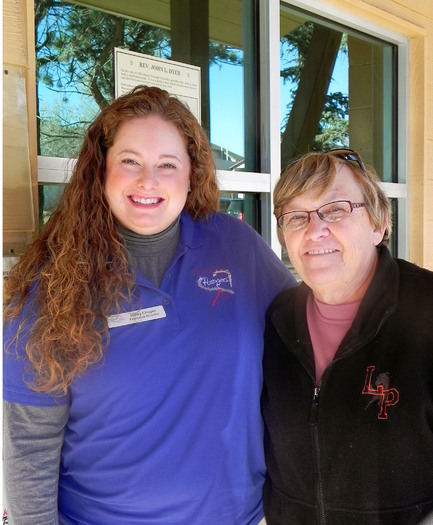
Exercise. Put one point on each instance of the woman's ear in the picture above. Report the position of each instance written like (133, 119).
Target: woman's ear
(379, 233)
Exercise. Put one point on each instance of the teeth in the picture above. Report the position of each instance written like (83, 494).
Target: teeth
(320, 252)
(153, 200)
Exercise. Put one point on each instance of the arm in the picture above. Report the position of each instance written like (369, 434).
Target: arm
(33, 439)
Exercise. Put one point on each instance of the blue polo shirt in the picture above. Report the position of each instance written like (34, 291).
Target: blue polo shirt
(166, 429)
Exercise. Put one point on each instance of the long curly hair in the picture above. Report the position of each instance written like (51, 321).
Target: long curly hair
(76, 273)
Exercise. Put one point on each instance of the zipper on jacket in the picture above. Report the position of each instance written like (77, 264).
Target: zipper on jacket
(314, 412)
(313, 422)
(314, 406)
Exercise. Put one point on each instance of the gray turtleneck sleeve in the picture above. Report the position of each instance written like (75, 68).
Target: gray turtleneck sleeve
(32, 444)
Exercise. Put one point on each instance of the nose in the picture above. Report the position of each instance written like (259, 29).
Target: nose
(316, 228)
(146, 178)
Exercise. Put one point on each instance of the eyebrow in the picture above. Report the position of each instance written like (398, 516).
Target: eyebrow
(163, 155)
(328, 199)
(169, 156)
(138, 154)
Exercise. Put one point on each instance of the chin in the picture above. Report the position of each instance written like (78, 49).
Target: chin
(319, 277)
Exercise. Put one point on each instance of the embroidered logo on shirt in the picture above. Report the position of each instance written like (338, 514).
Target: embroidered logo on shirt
(382, 394)
(220, 281)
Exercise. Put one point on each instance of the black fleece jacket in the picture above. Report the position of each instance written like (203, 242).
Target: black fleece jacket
(358, 449)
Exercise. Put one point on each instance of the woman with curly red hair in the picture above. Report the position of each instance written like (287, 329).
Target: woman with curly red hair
(133, 335)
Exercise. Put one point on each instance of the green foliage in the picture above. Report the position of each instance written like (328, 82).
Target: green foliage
(294, 48)
(74, 47)
(74, 62)
(333, 128)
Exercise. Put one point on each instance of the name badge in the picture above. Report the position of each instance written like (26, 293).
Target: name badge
(136, 316)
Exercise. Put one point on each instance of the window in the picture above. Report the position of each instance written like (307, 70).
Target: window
(75, 71)
(338, 87)
(74, 51)
(277, 80)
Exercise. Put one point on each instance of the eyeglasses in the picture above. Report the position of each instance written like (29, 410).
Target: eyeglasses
(349, 155)
(331, 212)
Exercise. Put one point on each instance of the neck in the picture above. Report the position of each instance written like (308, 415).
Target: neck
(151, 254)
(137, 239)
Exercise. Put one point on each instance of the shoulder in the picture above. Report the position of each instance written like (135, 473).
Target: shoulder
(286, 314)
(220, 236)
(410, 270)
(222, 222)
(219, 227)
(416, 276)
(394, 272)
(415, 280)
(288, 299)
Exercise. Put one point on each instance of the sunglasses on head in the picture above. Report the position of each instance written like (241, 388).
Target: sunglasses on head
(349, 155)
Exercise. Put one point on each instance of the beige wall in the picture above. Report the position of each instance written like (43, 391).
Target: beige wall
(18, 52)
(412, 19)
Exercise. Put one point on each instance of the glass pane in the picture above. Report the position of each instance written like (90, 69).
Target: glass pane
(49, 196)
(74, 61)
(243, 206)
(337, 89)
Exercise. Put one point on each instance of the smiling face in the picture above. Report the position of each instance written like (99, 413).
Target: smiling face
(336, 260)
(147, 175)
